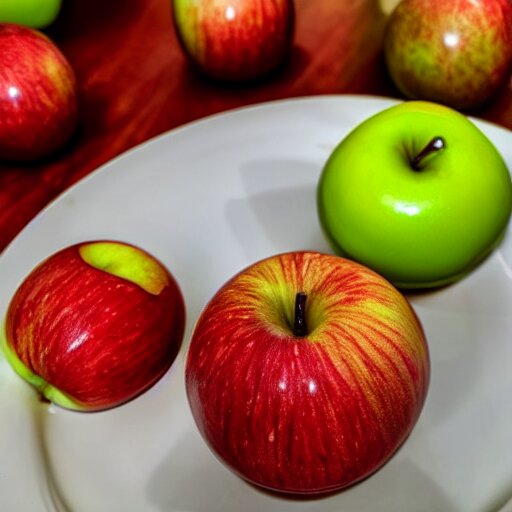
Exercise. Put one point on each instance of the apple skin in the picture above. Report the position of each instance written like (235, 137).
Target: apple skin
(38, 95)
(455, 52)
(31, 13)
(418, 228)
(95, 325)
(235, 41)
(315, 414)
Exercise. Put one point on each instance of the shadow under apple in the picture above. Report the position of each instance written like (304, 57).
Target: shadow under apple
(191, 479)
(278, 210)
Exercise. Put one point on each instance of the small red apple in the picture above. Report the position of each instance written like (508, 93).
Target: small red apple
(235, 40)
(306, 372)
(94, 325)
(38, 95)
(456, 52)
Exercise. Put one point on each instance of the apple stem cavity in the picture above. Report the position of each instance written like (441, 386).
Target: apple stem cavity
(300, 329)
(433, 147)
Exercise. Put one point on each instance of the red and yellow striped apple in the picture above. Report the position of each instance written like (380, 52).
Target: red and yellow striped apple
(235, 40)
(94, 325)
(38, 95)
(306, 372)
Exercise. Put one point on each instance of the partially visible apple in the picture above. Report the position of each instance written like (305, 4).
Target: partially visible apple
(453, 52)
(306, 372)
(418, 193)
(235, 40)
(94, 325)
(31, 13)
(38, 95)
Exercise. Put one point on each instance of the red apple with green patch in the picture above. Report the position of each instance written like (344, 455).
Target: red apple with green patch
(235, 40)
(38, 95)
(95, 325)
(456, 52)
(306, 372)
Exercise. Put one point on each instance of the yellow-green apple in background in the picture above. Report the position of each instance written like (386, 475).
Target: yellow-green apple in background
(456, 52)
(38, 95)
(235, 40)
(306, 372)
(31, 13)
(94, 325)
(417, 192)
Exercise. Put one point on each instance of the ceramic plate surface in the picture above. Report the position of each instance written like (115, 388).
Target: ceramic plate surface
(208, 199)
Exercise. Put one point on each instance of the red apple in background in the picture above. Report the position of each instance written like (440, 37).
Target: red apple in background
(306, 372)
(235, 40)
(454, 52)
(38, 95)
(94, 325)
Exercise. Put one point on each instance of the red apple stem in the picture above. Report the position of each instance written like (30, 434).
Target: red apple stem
(434, 146)
(300, 329)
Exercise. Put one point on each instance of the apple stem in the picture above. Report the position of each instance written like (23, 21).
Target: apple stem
(300, 329)
(434, 146)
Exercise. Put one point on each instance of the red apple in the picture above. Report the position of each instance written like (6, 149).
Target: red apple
(235, 40)
(94, 325)
(38, 95)
(306, 397)
(454, 52)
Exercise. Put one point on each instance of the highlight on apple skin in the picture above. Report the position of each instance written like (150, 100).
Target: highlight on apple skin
(38, 95)
(94, 325)
(235, 41)
(418, 193)
(456, 52)
(308, 406)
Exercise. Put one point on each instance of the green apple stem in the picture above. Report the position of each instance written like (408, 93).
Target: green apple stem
(434, 146)
(300, 329)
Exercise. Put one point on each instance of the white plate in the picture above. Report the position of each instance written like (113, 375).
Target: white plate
(208, 199)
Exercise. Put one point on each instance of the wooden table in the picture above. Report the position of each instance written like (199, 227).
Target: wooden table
(135, 83)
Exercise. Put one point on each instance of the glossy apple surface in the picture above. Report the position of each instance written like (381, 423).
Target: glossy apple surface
(419, 225)
(38, 95)
(455, 52)
(94, 325)
(31, 13)
(314, 405)
(237, 40)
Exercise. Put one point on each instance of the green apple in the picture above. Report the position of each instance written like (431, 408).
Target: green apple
(31, 13)
(418, 193)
